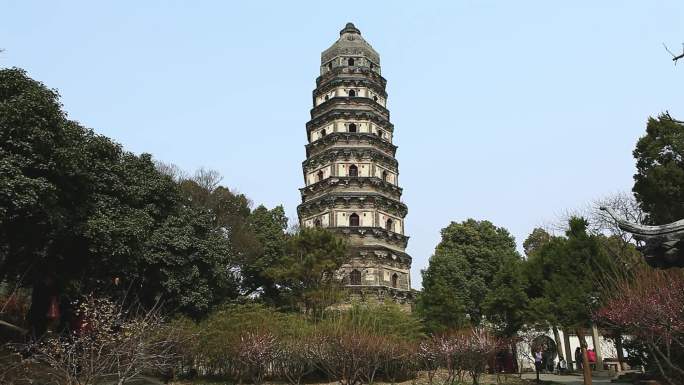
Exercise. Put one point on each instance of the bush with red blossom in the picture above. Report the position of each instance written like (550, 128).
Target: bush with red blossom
(650, 306)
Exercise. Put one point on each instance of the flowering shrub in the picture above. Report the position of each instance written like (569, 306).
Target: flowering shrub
(255, 353)
(429, 358)
(650, 306)
(464, 351)
(107, 344)
(400, 360)
(479, 347)
(295, 359)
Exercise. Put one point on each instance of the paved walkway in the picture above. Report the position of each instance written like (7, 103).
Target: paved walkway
(570, 379)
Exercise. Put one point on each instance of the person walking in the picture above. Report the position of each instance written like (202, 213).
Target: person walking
(591, 355)
(538, 363)
(562, 366)
(578, 358)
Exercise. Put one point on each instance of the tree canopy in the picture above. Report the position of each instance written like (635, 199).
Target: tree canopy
(659, 181)
(79, 214)
(459, 277)
(307, 271)
(563, 275)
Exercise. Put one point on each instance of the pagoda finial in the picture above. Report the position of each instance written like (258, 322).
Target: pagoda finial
(350, 28)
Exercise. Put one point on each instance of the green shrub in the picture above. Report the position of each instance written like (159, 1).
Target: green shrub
(387, 320)
(234, 340)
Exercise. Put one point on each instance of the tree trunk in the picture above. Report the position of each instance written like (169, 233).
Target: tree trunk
(586, 369)
(559, 346)
(516, 364)
(596, 338)
(620, 352)
(569, 358)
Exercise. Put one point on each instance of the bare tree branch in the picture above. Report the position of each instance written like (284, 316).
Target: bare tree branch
(675, 57)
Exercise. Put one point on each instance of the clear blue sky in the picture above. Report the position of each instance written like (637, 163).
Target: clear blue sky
(511, 111)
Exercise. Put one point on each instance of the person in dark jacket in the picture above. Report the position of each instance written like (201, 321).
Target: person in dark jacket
(578, 358)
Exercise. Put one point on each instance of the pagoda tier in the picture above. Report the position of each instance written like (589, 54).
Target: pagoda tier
(351, 174)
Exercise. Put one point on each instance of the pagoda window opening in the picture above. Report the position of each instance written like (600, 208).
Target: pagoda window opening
(352, 127)
(389, 225)
(317, 223)
(372, 66)
(381, 134)
(395, 280)
(353, 170)
(385, 176)
(327, 97)
(319, 176)
(330, 66)
(323, 133)
(350, 61)
(355, 277)
(375, 98)
(354, 220)
(352, 93)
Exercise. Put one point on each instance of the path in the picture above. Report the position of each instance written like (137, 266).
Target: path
(570, 379)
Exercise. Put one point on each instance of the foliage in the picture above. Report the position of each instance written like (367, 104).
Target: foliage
(14, 304)
(538, 238)
(659, 181)
(384, 319)
(78, 213)
(650, 306)
(214, 349)
(307, 272)
(506, 303)
(268, 227)
(563, 275)
(348, 347)
(459, 276)
(189, 261)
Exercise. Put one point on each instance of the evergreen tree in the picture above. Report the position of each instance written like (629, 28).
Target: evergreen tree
(506, 303)
(460, 274)
(565, 277)
(269, 228)
(659, 181)
(307, 271)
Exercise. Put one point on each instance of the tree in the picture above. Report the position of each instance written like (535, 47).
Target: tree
(659, 181)
(80, 214)
(190, 265)
(538, 238)
(506, 303)
(459, 275)
(268, 226)
(307, 272)
(568, 270)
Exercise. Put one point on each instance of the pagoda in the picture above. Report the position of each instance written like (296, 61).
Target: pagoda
(351, 174)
